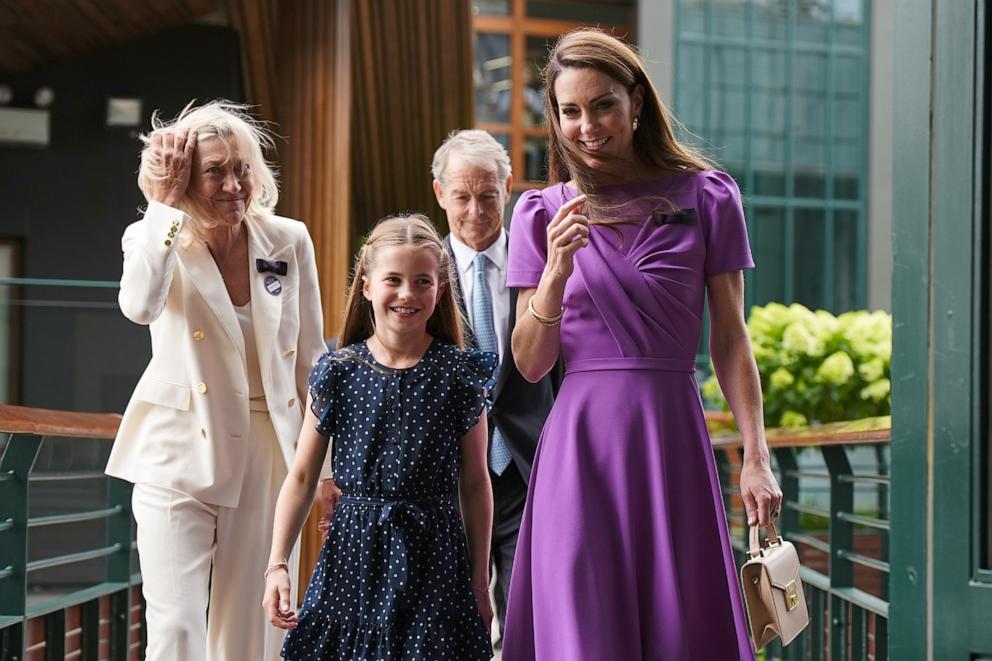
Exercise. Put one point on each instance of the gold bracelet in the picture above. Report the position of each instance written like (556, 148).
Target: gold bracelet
(540, 318)
(272, 568)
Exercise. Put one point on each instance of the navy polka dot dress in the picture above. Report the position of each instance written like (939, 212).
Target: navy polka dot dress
(393, 579)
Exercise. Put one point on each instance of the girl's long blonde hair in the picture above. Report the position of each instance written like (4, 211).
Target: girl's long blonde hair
(415, 230)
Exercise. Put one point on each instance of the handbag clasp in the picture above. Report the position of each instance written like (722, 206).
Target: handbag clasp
(791, 597)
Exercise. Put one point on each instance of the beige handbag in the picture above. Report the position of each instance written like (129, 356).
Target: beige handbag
(773, 594)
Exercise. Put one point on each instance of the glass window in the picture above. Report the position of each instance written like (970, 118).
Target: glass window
(537, 52)
(845, 259)
(492, 78)
(730, 17)
(849, 19)
(770, 19)
(768, 246)
(536, 159)
(692, 16)
(491, 7)
(808, 239)
(602, 12)
(813, 19)
(778, 88)
(8, 351)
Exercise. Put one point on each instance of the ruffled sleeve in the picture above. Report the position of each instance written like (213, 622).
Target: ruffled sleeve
(528, 241)
(323, 384)
(723, 225)
(474, 374)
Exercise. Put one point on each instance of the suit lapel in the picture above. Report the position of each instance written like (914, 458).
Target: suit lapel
(266, 303)
(206, 278)
(505, 369)
(467, 328)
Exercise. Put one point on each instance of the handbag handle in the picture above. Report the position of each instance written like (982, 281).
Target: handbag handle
(756, 544)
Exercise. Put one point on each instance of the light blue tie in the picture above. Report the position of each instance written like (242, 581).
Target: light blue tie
(485, 339)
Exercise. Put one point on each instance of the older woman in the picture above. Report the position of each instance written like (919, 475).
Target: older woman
(230, 293)
(624, 551)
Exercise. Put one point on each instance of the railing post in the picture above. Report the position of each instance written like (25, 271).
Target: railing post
(55, 635)
(90, 638)
(724, 472)
(745, 536)
(841, 539)
(789, 483)
(119, 566)
(883, 507)
(18, 458)
(789, 523)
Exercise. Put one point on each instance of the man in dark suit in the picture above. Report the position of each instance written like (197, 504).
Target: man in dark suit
(472, 183)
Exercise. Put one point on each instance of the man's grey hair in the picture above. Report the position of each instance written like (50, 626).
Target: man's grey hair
(475, 147)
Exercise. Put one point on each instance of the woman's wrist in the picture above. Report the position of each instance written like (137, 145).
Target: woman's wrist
(276, 566)
(544, 319)
(757, 458)
(551, 284)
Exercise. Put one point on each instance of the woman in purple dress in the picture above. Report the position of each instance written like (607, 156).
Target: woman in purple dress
(624, 551)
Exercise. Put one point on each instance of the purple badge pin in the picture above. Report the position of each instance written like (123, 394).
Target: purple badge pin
(272, 285)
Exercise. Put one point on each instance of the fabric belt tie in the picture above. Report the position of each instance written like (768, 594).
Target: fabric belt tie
(648, 363)
(403, 554)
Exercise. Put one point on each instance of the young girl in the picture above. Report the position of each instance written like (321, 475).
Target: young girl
(405, 405)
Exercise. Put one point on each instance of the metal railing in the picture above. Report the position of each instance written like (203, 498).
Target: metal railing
(101, 621)
(836, 512)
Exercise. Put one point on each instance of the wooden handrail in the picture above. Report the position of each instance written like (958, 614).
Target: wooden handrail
(49, 422)
(861, 432)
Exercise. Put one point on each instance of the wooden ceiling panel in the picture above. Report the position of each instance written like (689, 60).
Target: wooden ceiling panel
(35, 32)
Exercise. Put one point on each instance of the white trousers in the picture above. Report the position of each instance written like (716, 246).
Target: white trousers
(202, 565)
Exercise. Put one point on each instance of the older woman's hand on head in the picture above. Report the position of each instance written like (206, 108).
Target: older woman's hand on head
(172, 152)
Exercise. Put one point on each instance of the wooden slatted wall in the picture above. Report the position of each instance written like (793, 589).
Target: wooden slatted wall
(412, 68)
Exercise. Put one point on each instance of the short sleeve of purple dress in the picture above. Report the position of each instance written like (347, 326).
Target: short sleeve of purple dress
(624, 551)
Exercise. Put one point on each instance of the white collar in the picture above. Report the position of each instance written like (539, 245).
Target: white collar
(465, 256)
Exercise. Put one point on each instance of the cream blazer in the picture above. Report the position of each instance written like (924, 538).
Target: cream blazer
(188, 416)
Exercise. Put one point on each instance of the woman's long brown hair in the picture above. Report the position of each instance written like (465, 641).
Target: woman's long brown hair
(655, 144)
(414, 230)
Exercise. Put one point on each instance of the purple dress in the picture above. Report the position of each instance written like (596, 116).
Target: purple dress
(624, 551)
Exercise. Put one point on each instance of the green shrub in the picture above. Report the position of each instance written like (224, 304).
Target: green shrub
(816, 367)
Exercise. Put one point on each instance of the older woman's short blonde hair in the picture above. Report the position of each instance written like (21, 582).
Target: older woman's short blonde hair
(225, 121)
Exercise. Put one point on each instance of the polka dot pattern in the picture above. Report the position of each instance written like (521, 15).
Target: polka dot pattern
(393, 579)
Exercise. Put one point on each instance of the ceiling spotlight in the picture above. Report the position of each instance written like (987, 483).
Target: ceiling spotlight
(6, 95)
(44, 97)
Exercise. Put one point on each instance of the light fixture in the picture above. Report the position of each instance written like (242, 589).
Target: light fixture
(6, 95)
(43, 97)
(123, 112)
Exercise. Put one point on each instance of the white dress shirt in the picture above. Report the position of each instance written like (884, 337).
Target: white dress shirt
(495, 278)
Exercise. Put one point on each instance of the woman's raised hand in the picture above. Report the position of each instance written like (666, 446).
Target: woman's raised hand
(567, 232)
(172, 153)
(276, 600)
